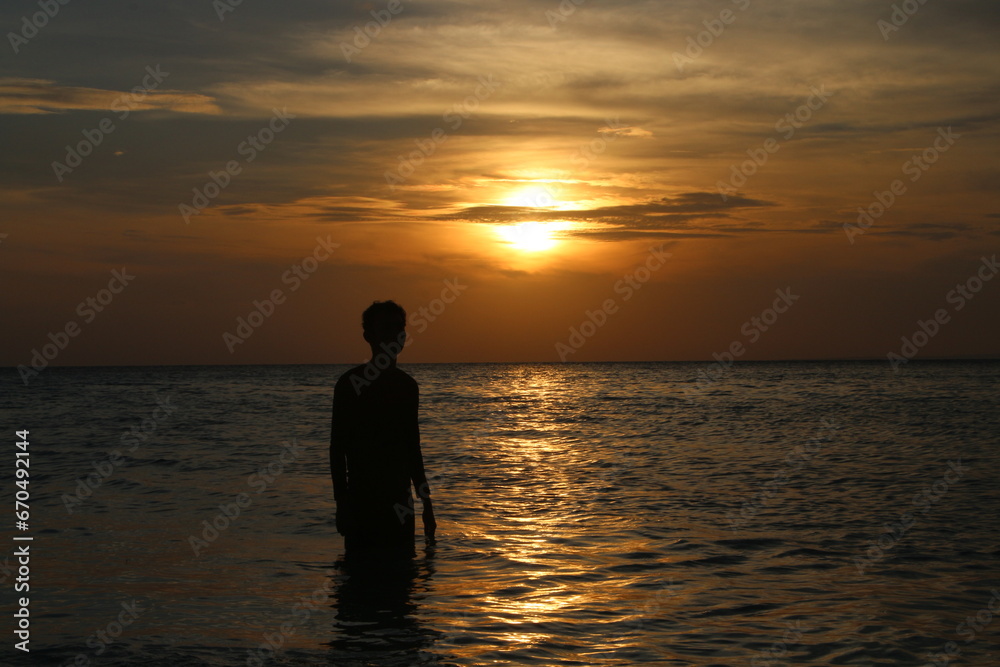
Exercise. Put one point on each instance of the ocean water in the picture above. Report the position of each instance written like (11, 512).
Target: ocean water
(588, 514)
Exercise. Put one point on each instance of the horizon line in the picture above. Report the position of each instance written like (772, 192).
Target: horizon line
(985, 357)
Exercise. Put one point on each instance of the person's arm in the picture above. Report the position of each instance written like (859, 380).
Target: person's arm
(338, 460)
(417, 473)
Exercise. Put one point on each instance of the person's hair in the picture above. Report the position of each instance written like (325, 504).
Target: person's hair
(389, 312)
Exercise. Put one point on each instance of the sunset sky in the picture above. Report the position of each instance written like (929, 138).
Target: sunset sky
(531, 152)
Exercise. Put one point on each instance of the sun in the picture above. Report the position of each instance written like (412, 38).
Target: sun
(534, 236)
(533, 196)
(528, 236)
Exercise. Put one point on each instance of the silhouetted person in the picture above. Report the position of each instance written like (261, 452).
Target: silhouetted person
(375, 445)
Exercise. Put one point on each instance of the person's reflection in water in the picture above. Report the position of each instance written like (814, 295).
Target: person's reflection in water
(377, 621)
(375, 447)
(374, 458)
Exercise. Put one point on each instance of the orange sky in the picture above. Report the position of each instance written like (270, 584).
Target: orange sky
(531, 154)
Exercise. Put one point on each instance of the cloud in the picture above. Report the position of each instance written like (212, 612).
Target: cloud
(41, 96)
(666, 217)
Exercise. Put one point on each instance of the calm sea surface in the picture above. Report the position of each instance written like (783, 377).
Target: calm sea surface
(589, 514)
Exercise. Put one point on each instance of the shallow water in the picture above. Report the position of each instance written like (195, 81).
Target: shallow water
(589, 514)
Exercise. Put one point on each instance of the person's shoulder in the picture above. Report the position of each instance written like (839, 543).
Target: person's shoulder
(407, 378)
(348, 376)
(354, 370)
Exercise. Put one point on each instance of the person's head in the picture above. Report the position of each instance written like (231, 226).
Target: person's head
(384, 325)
